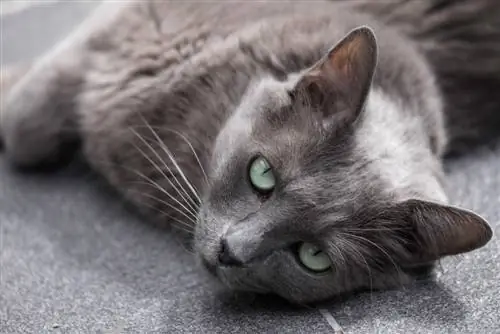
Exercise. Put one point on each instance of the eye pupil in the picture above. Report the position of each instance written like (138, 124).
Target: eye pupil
(261, 175)
(313, 258)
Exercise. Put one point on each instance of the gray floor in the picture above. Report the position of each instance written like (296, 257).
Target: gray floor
(75, 259)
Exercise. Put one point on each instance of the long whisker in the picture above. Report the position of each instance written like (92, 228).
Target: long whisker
(198, 160)
(181, 225)
(194, 153)
(166, 214)
(380, 248)
(182, 229)
(185, 227)
(339, 252)
(167, 151)
(188, 198)
(189, 202)
(159, 200)
(154, 183)
(353, 248)
(181, 172)
(192, 149)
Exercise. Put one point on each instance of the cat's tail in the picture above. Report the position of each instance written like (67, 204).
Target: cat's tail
(37, 114)
(461, 39)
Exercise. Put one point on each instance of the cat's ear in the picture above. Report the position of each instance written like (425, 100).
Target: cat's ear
(439, 230)
(339, 83)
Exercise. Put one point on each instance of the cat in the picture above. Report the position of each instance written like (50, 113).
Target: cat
(300, 142)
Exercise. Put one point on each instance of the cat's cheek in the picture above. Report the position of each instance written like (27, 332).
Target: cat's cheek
(287, 278)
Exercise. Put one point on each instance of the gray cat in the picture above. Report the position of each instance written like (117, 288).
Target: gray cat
(301, 142)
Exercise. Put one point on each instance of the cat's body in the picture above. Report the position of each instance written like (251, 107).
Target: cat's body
(155, 88)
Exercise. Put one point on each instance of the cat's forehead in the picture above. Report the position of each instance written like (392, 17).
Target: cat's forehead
(262, 98)
(263, 123)
(268, 94)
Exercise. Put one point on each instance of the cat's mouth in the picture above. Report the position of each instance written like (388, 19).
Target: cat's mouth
(240, 278)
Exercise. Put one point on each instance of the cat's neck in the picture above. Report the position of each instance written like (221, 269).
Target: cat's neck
(397, 143)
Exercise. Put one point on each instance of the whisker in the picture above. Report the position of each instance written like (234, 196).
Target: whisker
(186, 197)
(183, 226)
(159, 200)
(155, 185)
(160, 188)
(166, 214)
(181, 172)
(194, 153)
(194, 208)
(353, 248)
(167, 151)
(339, 252)
(198, 160)
(381, 249)
(184, 230)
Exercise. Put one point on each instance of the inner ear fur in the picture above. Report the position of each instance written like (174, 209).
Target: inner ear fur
(339, 83)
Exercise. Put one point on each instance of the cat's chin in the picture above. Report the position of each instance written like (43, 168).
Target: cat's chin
(240, 279)
(209, 267)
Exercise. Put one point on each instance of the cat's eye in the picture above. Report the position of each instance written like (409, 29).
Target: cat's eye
(261, 175)
(313, 258)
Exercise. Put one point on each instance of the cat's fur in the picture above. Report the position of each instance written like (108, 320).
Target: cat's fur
(151, 89)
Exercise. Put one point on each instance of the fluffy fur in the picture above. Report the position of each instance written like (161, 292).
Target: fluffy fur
(170, 101)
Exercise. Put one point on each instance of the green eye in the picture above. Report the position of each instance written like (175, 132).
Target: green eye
(313, 258)
(261, 175)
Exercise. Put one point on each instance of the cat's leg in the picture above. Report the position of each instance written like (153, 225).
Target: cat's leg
(37, 117)
(10, 75)
(38, 120)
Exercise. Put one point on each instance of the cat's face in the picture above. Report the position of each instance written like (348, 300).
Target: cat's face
(296, 205)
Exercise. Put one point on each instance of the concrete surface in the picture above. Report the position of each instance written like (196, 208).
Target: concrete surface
(75, 259)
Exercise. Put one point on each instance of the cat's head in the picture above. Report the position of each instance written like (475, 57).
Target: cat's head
(317, 189)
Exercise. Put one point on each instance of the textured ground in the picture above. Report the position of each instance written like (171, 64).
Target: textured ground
(75, 259)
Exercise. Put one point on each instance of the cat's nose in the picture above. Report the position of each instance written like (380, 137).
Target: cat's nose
(226, 257)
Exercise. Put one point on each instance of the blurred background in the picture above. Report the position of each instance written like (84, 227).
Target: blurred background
(30, 27)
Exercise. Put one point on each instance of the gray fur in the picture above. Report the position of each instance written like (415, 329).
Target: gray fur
(171, 111)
